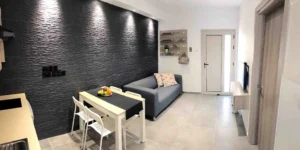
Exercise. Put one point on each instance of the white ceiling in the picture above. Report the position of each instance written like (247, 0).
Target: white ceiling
(204, 3)
(159, 9)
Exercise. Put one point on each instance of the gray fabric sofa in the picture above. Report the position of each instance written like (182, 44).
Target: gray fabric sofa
(157, 99)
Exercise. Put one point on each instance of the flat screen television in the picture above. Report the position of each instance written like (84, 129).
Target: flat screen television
(246, 77)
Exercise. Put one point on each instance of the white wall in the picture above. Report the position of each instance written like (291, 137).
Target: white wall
(288, 119)
(194, 19)
(246, 43)
(246, 33)
(177, 15)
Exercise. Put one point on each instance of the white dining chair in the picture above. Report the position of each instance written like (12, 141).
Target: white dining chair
(134, 94)
(125, 123)
(115, 88)
(103, 126)
(82, 115)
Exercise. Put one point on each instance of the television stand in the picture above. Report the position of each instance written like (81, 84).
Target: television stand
(240, 99)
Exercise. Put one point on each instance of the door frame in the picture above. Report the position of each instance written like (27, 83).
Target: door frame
(223, 32)
(262, 10)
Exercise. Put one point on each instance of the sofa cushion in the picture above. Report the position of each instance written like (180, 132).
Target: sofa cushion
(158, 79)
(149, 82)
(168, 79)
(167, 94)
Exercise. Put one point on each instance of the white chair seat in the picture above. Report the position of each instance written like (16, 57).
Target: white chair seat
(109, 125)
(84, 117)
(103, 126)
(98, 128)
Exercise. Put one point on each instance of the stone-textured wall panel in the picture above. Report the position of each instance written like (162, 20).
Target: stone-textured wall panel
(96, 43)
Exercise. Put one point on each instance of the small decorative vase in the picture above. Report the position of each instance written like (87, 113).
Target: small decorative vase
(183, 59)
(166, 49)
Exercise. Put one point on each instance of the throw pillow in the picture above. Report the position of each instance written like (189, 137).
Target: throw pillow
(168, 79)
(158, 79)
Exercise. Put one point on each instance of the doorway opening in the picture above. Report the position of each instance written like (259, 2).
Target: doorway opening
(218, 61)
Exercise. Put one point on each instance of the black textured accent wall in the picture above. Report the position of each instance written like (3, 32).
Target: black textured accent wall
(95, 43)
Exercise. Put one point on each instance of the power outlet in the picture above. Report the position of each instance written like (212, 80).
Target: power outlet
(52, 71)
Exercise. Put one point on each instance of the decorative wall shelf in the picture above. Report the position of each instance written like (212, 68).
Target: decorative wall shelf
(173, 42)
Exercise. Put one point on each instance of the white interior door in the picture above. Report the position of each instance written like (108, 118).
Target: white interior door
(218, 59)
(214, 63)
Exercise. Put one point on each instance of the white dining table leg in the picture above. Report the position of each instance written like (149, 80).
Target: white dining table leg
(143, 124)
(118, 132)
(124, 134)
(81, 123)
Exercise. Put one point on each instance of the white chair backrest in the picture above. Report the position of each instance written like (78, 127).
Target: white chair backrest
(134, 94)
(94, 116)
(78, 103)
(116, 88)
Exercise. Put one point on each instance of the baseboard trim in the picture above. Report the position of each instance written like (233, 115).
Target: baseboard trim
(192, 92)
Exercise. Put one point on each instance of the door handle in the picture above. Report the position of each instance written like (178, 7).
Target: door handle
(205, 64)
(260, 90)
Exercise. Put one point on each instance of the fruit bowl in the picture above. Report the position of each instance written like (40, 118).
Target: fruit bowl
(105, 91)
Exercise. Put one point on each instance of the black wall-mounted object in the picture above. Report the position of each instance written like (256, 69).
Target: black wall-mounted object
(246, 77)
(52, 71)
(10, 104)
(6, 34)
(112, 46)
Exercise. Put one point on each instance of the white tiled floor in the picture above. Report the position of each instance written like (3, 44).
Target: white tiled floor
(193, 122)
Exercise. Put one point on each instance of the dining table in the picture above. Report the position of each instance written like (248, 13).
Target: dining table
(120, 106)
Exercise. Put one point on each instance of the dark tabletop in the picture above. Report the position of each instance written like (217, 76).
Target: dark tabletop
(130, 105)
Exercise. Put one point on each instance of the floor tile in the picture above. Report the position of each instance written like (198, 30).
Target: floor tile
(148, 145)
(225, 104)
(192, 122)
(184, 104)
(69, 146)
(227, 138)
(172, 117)
(162, 133)
(194, 138)
(45, 144)
(203, 118)
(253, 147)
(226, 120)
(134, 126)
(60, 140)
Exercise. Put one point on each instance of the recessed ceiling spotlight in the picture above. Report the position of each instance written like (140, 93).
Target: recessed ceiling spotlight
(153, 17)
(133, 10)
